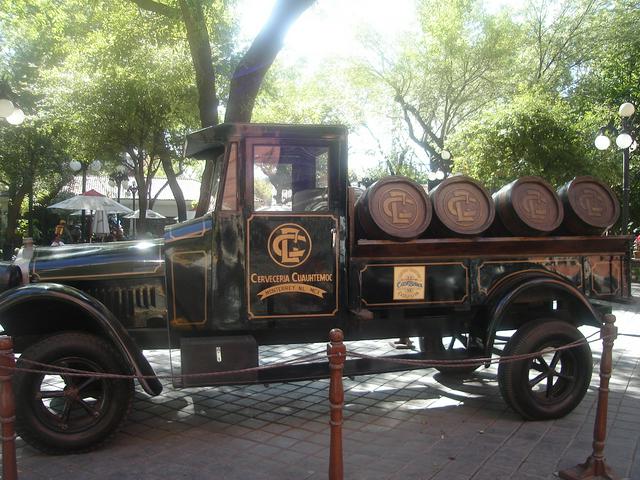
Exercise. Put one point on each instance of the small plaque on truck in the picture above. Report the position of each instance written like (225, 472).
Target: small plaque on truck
(408, 282)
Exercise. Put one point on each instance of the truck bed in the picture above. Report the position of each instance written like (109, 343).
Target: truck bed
(450, 271)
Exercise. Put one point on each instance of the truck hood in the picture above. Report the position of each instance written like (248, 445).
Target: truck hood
(97, 261)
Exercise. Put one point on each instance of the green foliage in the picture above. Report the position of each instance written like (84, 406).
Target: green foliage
(461, 61)
(34, 152)
(290, 96)
(535, 134)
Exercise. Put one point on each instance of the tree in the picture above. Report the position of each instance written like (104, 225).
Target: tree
(536, 134)
(456, 67)
(31, 162)
(248, 75)
(560, 37)
(130, 93)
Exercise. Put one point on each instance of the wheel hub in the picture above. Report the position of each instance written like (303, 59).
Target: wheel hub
(71, 392)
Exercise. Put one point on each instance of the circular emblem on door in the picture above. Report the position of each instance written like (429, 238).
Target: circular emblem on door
(289, 245)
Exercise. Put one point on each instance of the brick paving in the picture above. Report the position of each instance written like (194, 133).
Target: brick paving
(411, 425)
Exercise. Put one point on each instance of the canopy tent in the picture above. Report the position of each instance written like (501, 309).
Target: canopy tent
(148, 214)
(91, 200)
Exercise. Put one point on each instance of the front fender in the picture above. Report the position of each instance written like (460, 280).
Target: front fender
(500, 302)
(100, 320)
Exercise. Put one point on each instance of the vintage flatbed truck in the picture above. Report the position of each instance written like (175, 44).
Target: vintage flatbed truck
(286, 267)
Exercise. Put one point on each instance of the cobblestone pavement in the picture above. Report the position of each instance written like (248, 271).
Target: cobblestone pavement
(412, 425)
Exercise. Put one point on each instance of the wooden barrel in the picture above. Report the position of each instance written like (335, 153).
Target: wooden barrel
(461, 206)
(393, 208)
(528, 206)
(590, 206)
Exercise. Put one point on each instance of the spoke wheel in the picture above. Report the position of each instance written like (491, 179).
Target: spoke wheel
(456, 347)
(60, 413)
(70, 404)
(551, 384)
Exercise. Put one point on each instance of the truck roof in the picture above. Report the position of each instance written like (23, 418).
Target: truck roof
(199, 143)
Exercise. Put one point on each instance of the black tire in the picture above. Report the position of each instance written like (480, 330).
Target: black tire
(456, 347)
(58, 413)
(551, 385)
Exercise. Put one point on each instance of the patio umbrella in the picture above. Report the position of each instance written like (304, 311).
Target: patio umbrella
(149, 214)
(91, 200)
(100, 223)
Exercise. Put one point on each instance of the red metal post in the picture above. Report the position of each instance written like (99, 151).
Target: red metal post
(595, 466)
(336, 351)
(7, 409)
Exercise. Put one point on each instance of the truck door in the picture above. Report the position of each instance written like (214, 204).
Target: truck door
(292, 228)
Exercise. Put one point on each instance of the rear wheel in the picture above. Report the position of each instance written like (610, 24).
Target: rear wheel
(553, 383)
(59, 413)
(456, 347)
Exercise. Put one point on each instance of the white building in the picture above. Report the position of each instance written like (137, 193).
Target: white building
(165, 203)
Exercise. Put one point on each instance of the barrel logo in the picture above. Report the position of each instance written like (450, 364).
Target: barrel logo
(289, 245)
(463, 206)
(534, 205)
(399, 208)
(592, 202)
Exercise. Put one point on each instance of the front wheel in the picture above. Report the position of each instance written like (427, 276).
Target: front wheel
(59, 413)
(553, 383)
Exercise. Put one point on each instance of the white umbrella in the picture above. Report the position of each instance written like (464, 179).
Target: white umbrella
(100, 224)
(91, 200)
(148, 214)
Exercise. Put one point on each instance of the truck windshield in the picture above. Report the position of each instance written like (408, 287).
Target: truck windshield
(291, 178)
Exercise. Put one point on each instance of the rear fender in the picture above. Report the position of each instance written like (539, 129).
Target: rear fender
(24, 310)
(583, 313)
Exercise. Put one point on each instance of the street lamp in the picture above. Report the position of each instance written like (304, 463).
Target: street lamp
(133, 188)
(625, 141)
(8, 110)
(119, 178)
(93, 167)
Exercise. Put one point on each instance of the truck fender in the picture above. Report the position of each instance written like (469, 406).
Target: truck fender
(500, 301)
(100, 319)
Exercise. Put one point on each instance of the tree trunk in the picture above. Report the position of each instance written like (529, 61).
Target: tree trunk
(165, 158)
(11, 238)
(143, 194)
(198, 38)
(249, 74)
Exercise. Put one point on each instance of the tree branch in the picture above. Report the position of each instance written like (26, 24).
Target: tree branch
(159, 8)
(248, 75)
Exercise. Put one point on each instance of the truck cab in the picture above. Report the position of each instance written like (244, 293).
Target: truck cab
(269, 258)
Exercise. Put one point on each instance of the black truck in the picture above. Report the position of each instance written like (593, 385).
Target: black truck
(281, 258)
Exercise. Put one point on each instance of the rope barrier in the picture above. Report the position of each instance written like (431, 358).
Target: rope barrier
(426, 363)
(74, 372)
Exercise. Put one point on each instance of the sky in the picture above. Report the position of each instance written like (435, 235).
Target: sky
(329, 30)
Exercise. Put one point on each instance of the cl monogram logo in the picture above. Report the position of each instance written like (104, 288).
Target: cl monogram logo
(399, 207)
(535, 205)
(592, 202)
(289, 245)
(463, 206)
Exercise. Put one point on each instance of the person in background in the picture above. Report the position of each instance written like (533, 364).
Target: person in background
(57, 241)
(62, 231)
(76, 234)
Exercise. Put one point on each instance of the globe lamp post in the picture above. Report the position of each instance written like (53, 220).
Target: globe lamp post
(625, 141)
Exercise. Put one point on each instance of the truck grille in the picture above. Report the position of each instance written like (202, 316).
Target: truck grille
(133, 306)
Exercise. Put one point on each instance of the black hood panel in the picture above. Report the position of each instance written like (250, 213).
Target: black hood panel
(92, 261)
